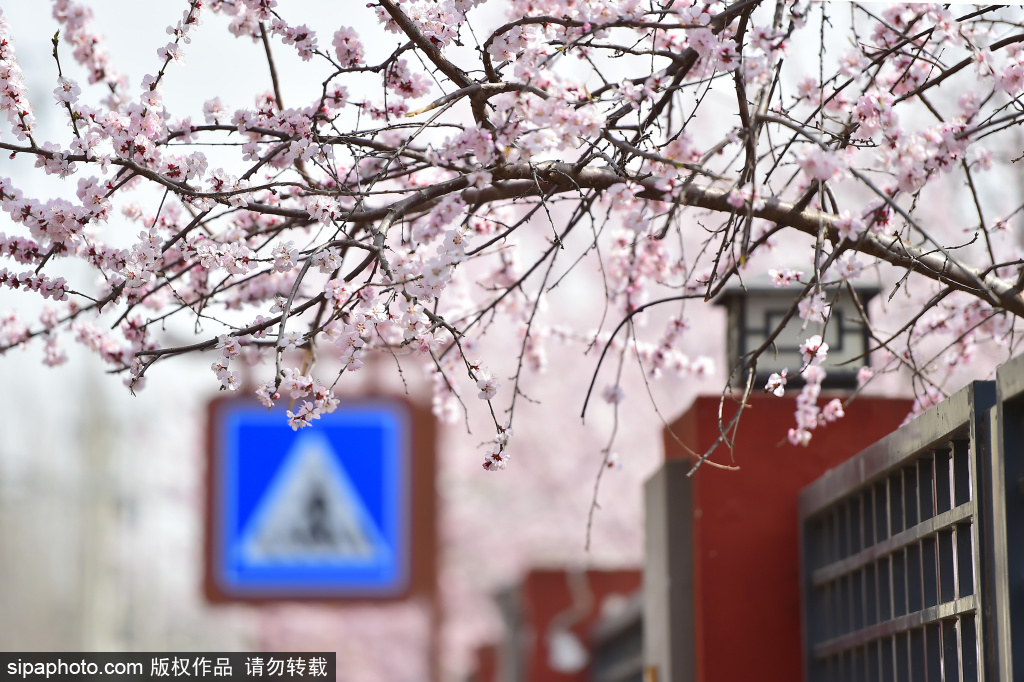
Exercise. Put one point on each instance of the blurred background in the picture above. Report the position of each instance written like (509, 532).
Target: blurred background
(101, 492)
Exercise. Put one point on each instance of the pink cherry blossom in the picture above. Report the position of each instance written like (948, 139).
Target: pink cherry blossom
(814, 350)
(777, 383)
(461, 182)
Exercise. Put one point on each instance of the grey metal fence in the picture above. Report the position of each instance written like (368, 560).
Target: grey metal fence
(913, 551)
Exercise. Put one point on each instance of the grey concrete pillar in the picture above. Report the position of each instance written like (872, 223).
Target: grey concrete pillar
(669, 628)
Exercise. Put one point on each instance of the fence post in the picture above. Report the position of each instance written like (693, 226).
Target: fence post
(669, 632)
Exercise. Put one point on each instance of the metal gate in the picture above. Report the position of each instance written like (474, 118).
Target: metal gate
(907, 569)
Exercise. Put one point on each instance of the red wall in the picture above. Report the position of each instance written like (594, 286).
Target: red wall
(486, 669)
(545, 594)
(746, 553)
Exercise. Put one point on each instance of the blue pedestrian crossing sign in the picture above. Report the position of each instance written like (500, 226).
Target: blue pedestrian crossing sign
(319, 512)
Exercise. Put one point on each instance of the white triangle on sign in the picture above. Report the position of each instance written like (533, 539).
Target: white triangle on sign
(311, 513)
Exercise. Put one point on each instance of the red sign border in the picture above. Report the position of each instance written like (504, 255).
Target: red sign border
(422, 522)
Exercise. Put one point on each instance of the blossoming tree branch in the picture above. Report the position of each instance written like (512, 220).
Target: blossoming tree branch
(426, 194)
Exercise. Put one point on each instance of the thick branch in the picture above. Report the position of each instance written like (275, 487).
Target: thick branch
(430, 49)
